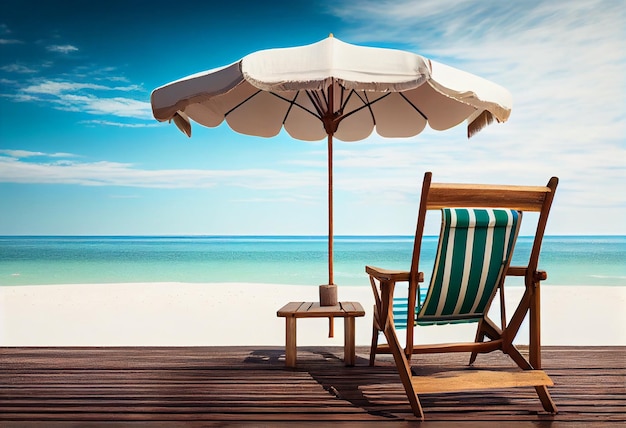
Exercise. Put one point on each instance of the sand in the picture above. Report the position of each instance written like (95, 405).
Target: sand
(183, 314)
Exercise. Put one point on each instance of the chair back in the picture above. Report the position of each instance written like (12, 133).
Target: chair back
(438, 196)
(474, 251)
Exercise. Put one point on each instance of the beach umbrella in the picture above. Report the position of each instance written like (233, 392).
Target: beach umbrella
(332, 89)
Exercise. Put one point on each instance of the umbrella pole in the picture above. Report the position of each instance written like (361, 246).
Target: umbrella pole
(331, 279)
(328, 292)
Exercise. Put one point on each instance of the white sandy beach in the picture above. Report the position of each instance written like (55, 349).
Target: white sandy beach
(183, 314)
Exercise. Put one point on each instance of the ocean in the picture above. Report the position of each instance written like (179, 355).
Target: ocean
(297, 260)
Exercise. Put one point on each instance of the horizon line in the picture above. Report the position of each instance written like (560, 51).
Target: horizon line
(261, 236)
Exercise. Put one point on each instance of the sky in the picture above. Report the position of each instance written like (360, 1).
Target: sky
(81, 154)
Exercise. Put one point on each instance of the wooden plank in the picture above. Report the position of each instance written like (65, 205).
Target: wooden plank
(448, 195)
(348, 306)
(479, 379)
(216, 386)
(314, 310)
(352, 308)
(289, 309)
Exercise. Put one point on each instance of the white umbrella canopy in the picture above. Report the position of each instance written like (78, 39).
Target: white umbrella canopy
(332, 89)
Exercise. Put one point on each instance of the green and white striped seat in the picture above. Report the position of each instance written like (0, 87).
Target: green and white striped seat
(475, 246)
(401, 309)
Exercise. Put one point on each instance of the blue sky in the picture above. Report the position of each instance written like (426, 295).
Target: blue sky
(80, 153)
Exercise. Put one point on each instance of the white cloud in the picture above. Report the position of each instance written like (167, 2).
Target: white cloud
(119, 124)
(22, 97)
(52, 87)
(117, 106)
(56, 87)
(18, 68)
(20, 154)
(64, 49)
(96, 91)
(106, 173)
(10, 42)
(87, 98)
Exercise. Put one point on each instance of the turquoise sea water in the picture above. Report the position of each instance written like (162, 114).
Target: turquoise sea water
(569, 260)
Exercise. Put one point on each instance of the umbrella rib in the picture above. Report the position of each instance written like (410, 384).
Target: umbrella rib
(294, 103)
(242, 103)
(291, 103)
(323, 97)
(347, 100)
(414, 106)
(317, 103)
(367, 104)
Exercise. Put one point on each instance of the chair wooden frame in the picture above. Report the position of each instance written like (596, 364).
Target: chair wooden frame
(436, 196)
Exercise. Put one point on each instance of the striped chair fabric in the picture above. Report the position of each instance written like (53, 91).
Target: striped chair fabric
(401, 308)
(475, 246)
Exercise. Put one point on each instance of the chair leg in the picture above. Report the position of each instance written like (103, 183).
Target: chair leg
(374, 346)
(524, 364)
(480, 337)
(546, 399)
(486, 328)
(517, 357)
(404, 370)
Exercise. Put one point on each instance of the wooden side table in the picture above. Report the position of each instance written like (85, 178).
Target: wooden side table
(294, 310)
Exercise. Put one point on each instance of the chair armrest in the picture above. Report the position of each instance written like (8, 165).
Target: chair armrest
(387, 274)
(516, 271)
(540, 275)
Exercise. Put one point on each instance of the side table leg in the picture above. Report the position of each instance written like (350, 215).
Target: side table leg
(349, 352)
(290, 344)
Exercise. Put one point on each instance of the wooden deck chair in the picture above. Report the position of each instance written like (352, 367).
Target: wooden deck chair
(480, 224)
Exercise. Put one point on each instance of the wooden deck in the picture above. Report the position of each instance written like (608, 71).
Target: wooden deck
(234, 386)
